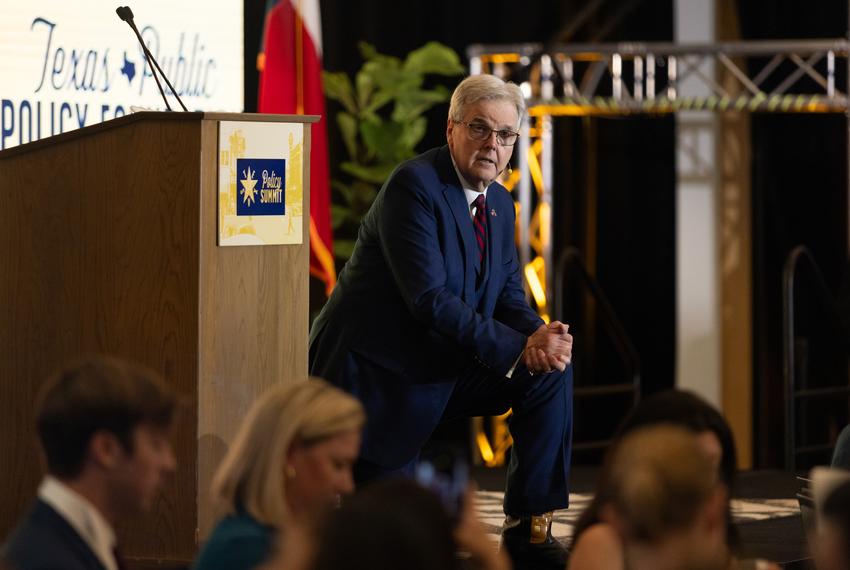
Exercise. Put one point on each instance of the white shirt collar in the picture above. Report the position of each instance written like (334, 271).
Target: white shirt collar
(471, 194)
(84, 517)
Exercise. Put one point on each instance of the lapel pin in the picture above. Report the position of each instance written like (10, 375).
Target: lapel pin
(492, 212)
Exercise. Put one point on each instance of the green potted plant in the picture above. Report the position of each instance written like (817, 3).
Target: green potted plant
(381, 123)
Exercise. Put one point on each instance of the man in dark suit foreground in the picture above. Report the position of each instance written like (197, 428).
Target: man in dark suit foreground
(103, 426)
(429, 320)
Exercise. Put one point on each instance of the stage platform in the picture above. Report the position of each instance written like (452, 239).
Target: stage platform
(764, 509)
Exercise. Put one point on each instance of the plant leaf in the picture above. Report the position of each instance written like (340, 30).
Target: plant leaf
(365, 87)
(411, 104)
(434, 57)
(377, 174)
(381, 138)
(338, 87)
(345, 191)
(367, 50)
(348, 128)
(391, 78)
(411, 135)
(380, 99)
(370, 54)
(343, 248)
(364, 194)
(339, 214)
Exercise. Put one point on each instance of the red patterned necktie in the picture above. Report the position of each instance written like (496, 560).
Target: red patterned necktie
(479, 221)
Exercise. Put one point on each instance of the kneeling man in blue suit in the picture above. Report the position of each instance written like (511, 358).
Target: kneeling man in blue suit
(429, 321)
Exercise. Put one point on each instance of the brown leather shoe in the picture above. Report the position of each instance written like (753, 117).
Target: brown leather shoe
(531, 546)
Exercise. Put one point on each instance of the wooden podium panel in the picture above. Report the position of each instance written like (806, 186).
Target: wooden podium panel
(108, 244)
(252, 296)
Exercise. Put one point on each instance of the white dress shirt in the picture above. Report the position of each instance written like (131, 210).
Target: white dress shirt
(471, 193)
(92, 527)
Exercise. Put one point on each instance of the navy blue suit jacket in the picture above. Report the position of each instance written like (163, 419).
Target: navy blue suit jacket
(44, 540)
(409, 312)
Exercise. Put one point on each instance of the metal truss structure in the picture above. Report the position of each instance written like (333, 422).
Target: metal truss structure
(638, 79)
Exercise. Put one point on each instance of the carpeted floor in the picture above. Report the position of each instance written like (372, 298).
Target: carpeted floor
(765, 511)
(743, 511)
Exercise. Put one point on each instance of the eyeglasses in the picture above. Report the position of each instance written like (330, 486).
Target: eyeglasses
(481, 132)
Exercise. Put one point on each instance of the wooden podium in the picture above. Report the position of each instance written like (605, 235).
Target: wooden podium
(108, 243)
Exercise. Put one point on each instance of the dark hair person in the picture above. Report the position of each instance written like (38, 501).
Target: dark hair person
(396, 523)
(103, 424)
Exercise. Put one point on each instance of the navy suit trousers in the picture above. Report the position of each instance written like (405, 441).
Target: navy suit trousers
(541, 427)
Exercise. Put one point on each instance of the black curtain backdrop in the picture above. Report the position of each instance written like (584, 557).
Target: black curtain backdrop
(799, 184)
(252, 30)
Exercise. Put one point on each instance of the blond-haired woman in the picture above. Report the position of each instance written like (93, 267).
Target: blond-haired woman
(291, 458)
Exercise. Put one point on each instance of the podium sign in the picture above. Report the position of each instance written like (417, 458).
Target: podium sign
(260, 183)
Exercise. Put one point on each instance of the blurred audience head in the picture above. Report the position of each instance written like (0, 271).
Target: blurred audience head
(293, 454)
(665, 500)
(686, 411)
(691, 412)
(831, 543)
(104, 424)
(394, 523)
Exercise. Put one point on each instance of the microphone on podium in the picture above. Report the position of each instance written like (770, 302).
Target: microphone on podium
(126, 14)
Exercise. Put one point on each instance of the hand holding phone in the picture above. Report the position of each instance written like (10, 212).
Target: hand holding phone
(446, 473)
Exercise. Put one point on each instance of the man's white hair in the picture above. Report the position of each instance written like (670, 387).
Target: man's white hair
(484, 87)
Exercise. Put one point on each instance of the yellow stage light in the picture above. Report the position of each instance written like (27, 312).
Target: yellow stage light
(484, 447)
(535, 283)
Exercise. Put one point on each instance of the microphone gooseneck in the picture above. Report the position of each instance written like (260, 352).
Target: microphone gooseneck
(126, 14)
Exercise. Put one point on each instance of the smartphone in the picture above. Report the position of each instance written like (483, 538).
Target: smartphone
(445, 472)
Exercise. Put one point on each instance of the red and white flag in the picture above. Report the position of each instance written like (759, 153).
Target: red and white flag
(291, 83)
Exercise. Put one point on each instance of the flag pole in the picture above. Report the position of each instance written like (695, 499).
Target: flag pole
(299, 58)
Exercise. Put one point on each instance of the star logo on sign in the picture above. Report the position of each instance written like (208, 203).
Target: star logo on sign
(129, 69)
(249, 193)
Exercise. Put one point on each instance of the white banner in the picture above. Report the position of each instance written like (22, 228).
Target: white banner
(66, 64)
